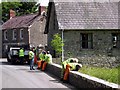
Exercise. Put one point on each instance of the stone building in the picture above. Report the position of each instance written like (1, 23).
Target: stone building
(1, 38)
(24, 31)
(91, 31)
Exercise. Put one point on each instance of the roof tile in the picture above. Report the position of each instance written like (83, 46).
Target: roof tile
(87, 15)
(19, 21)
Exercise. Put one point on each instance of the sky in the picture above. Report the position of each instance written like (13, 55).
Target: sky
(44, 2)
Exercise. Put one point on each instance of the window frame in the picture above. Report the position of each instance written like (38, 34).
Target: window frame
(88, 41)
(117, 41)
(14, 34)
(21, 34)
(5, 35)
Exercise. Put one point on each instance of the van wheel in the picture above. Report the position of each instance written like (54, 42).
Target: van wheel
(13, 62)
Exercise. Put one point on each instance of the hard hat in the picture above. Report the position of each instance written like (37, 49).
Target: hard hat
(75, 60)
(40, 45)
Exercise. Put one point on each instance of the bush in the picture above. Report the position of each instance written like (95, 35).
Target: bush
(57, 43)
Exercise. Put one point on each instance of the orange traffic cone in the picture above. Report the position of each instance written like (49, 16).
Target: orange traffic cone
(44, 66)
(67, 70)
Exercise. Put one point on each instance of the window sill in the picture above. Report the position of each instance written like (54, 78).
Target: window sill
(86, 49)
(21, 39)
(14, 39)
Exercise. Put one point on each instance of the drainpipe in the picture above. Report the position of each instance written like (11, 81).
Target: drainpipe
(62, 45)
(29, 34)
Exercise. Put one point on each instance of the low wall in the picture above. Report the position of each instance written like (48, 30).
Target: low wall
(80, 80)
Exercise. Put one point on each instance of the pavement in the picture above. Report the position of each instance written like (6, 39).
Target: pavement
(20, 77)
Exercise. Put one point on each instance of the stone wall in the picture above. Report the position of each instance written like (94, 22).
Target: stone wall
(37, 35)
(96, 61)
(100, 61)
(81, 80)
(102, 53)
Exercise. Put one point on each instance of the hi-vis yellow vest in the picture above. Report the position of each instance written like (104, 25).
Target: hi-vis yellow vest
(21, 53)
(31, 55)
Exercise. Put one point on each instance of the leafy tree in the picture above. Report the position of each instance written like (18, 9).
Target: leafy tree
(0, 10)
(21, 8)
(1, 22)
(6, 6)
(26, 8)
(57, 43)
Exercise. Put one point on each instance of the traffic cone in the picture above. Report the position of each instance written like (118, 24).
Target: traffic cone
(44, 66)
(67, 70)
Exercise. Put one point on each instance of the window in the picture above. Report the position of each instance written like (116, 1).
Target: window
(116, 40)
(5, 35)
(14, 35)
(86, 41)
(21, 34)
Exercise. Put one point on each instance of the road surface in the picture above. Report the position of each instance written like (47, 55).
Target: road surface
(19, 76)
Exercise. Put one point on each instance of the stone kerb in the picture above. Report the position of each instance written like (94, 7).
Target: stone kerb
(86, 81)
(81, 80)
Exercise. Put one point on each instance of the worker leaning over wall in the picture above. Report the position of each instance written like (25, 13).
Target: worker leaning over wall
(67, 65)
(48, 60)
(41, 59)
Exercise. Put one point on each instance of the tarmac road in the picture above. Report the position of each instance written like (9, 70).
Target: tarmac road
(19, 76)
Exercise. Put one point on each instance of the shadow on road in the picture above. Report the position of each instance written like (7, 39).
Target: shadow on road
(8, 63)
(34, 71)
(5, 63)
(66, 84)
(28, 70)
(57, 80)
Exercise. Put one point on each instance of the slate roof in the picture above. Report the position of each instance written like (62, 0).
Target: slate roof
(87, 15)
(19, 21)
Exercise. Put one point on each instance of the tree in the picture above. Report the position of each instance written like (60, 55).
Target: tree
(1, 22)
(6, 6)
(26, 8)
(0, 8)
(57, 43)
(21, 8)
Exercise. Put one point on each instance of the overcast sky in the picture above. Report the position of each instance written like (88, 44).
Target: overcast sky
(44, 2)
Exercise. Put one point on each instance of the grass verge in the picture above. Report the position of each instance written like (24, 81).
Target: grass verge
(111, 75)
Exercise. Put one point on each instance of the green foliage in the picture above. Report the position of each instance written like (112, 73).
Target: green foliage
(21, 8)
(111, 75)
(0, 11)
(6, 6)
(27, 8)
(57, 43)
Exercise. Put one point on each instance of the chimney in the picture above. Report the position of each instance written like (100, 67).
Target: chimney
(12, 13)
(41, 9)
